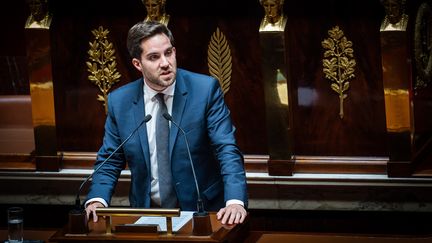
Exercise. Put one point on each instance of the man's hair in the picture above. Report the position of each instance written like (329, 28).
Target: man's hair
(142, 31)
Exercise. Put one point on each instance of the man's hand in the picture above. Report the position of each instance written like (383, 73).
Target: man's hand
(91, 210)
(232, 214)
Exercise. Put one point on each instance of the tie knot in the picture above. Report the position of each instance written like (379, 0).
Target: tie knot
(160, 98)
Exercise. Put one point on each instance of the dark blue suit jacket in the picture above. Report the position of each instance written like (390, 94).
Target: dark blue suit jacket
(199, 108)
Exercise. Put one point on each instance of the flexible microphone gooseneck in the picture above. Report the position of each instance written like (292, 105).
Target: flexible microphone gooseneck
(200, 204)
(77, 199)
(77, 216)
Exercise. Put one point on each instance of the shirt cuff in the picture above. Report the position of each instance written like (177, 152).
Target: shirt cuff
(234, 201)
(96, 199)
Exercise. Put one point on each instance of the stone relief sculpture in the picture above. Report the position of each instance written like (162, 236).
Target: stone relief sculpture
(274, 18)
(156, 11)
(40, 17)
(395, 19)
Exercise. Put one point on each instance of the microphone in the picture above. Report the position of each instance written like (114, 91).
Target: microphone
(201, 219)
(200, 204)
(75, 224)
(77, 199)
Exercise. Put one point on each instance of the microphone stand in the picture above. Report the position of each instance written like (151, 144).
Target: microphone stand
(77, 216)
(201, 223)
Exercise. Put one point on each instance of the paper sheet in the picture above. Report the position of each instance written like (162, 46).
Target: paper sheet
(177, 222)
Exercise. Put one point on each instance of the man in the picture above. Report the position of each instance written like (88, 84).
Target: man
(196, 104)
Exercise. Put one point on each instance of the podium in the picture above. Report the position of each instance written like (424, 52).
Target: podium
(97, 233)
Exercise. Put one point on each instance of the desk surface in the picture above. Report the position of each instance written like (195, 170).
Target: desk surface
(98, 233)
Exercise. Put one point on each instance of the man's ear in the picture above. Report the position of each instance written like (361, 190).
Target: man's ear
(137, 64)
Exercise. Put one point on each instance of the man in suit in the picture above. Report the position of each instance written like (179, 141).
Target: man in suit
(196, 104)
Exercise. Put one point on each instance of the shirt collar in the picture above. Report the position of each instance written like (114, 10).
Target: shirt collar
(149, 92)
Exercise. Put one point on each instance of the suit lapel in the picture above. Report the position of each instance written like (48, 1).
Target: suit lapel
(139, 114)
(179, 102)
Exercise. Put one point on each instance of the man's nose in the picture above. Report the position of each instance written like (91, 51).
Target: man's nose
(164, 61)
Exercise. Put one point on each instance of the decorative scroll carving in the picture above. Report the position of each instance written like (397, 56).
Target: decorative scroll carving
(423, 46)
(337, 65)
(102, 67)
(220, 60)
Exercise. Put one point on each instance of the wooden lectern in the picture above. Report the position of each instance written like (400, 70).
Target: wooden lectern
(98, 233)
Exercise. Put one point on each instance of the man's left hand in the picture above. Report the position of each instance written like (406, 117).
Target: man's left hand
(232, 214)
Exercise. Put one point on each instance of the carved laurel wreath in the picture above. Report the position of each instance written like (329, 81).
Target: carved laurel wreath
(337, 65)
(102, 64)
(219, 60)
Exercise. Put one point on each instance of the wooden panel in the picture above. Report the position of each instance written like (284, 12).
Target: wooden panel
(318, 130)
(80, 118)
(13, 62)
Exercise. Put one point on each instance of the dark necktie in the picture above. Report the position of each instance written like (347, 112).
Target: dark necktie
(166, 189)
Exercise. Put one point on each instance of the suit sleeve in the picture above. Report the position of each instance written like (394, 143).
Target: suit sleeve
(222, 136)
(105, 179)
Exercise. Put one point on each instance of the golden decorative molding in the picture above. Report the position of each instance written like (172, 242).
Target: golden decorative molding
(337, 65)
(397, 105)
(219, 60)
(102, 65)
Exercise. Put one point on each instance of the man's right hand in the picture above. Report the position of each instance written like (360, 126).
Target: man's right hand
(91, 210)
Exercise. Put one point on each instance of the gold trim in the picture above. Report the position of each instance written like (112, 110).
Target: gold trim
(338, 67)
(168, 213)
(113, 211)
(102, 67)
(219, 60)
(397, 105)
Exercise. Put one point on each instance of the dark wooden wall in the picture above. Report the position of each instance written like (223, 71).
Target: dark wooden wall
(80, 117)
(13, 62)
(317, 128)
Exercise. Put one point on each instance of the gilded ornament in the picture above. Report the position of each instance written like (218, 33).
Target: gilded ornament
(156, 11)
(338, 63)
(395, 18)
(220, 60)
(102, 64)
(274, 19)
(39, 18)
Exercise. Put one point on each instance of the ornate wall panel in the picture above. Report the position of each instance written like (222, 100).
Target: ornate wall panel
(318, 130)
(80, 118)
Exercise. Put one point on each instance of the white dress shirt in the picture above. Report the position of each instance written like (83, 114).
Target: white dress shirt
(151, 107)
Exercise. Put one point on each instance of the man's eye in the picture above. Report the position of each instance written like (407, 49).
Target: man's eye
(152, 58)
